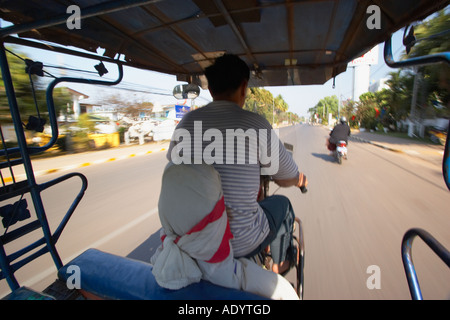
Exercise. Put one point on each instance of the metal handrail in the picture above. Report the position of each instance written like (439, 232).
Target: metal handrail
(75, 202)
(7, 267)
(52, 111)
(439, 249)
(411, 275)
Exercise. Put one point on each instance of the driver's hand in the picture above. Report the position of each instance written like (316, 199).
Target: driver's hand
(302, 180)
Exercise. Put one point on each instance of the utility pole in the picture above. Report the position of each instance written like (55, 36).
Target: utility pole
(412, 113)
(273, 111)
(339, 107)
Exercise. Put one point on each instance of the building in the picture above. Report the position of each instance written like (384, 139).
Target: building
(76, 108)
(103, 111)
(361, 72)
(163, 107)
(379, 85)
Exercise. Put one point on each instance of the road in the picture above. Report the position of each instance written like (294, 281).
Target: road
(354, 217)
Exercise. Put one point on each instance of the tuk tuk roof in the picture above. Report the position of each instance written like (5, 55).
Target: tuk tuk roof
(285, 42)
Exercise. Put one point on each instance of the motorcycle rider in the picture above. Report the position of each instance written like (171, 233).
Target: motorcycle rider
(341, 132)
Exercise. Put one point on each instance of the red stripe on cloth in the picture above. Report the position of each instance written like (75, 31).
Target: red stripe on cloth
(214, 215)
(224, 249)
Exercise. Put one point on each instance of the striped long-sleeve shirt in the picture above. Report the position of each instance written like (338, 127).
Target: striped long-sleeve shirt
(240, 145)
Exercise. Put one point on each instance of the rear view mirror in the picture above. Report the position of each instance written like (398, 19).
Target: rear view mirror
(186, 91)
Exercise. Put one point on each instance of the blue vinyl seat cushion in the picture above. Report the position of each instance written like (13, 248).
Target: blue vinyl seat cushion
(110, 276)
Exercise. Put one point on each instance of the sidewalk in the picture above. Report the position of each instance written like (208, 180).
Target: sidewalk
(77, 160)
(419, 149)
(428, 152)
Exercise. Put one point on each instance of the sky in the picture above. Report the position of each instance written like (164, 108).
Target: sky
(299, 98)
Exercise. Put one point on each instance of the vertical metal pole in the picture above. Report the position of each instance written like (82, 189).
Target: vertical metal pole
(6, 270)
(4, 263)
(34, 190)
(410, 271)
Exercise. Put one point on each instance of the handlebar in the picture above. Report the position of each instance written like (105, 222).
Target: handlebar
(303, 188)
(265, 186)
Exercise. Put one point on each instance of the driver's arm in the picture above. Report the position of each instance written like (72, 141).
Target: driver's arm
(299, 181)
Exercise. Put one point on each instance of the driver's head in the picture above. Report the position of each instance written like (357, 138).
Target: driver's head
(226, 75)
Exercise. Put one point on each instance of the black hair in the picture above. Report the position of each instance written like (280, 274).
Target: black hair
(226, 74)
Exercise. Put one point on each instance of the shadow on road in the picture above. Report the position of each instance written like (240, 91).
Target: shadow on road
(324, 156)
(146, 249)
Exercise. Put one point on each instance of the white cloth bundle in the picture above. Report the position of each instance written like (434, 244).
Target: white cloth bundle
(196, 237)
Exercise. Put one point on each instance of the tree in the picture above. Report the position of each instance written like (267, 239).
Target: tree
(62, 100)
(366, 110)
(400, 94)
(136, 109)
(85, 122)
(348, 109)
(373, 110)
(324, 107)
(383, 114)
(280, 104)
(262, 102)
(258, 100)
(131, 108)
(24, 84)
(289, 117)
(22, 87)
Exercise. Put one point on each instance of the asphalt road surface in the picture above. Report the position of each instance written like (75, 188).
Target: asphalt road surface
(354, 217)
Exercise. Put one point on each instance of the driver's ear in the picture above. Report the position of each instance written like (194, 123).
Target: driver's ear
(243, 88)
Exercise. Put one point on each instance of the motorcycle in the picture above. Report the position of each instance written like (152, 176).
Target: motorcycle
(295, 252)
(341, 151)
